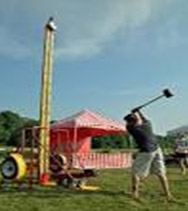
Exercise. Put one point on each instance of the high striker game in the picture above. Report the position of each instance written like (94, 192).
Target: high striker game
(45, 98)
(16, 164)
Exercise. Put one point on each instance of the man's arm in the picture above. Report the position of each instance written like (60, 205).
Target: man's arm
(139, 115)
(142, 116)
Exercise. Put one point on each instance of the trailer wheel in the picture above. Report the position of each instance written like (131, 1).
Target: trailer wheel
(13, 167)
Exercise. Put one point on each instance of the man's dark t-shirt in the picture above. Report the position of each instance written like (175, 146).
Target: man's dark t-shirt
(143, 136)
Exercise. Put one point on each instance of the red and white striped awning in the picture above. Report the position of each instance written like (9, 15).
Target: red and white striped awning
(91, 120)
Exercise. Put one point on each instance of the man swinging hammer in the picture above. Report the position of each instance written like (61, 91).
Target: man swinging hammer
(149, 159)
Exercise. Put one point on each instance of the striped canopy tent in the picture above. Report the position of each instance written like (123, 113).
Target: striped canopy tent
(73, 134)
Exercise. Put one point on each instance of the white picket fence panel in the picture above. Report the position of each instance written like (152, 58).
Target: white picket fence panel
(102, 160)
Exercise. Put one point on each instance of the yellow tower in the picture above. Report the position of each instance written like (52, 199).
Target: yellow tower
(45, 98)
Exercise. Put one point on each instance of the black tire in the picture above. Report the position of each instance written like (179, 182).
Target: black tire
(9, 169)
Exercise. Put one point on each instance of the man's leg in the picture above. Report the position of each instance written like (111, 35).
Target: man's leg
(165, 185)
(158, 167)
(140, 170)
(135, 186)
(182, 165)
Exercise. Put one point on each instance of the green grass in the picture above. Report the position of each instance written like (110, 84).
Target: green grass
(114, 195)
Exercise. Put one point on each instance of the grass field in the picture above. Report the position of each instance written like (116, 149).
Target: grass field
(114, 195)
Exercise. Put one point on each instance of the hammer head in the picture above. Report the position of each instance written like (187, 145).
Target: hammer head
(167, 93)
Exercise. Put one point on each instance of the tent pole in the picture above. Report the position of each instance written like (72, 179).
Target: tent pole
(74, 145)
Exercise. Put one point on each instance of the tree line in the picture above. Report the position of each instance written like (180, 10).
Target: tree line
(12, 125)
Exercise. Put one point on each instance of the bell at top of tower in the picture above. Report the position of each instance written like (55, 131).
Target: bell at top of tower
(51, 25)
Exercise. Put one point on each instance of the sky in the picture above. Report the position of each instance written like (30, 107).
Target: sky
(110, 56)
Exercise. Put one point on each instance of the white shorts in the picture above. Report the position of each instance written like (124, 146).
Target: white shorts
(149, 162)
